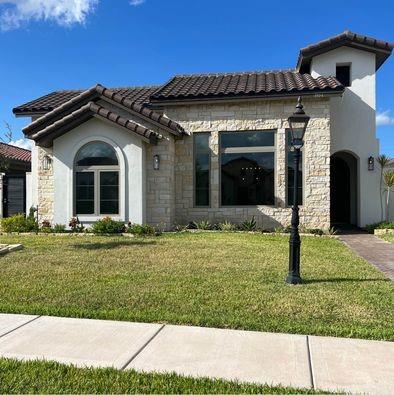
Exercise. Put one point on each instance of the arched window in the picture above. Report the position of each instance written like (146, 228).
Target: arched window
(96, 180)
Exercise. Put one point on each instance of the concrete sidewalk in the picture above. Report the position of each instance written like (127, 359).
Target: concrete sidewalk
(326, 363)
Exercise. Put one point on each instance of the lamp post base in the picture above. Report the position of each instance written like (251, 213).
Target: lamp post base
(293, 279)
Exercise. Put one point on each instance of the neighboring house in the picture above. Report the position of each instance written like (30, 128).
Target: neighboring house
(215, 146)
(14, 166)
(390, 167)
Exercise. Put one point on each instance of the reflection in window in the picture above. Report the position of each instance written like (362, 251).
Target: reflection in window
(247, 168)
(96, 180)
(202, 159)
(97, 153)
(290, 173)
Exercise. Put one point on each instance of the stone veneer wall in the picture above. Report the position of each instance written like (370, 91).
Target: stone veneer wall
(160, 184)
(247, 116)
(45, 186)
(169, 191)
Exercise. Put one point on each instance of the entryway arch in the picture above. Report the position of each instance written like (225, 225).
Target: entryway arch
(344, 189)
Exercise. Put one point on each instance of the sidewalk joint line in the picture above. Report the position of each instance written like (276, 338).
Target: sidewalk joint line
(310, 361)
(135, 355)
(20, 326)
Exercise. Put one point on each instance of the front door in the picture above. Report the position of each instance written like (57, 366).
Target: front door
(14, 194)
(340, 192)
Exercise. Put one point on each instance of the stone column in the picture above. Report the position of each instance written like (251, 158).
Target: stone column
(281, 154)
(215, 168)
(45, 187)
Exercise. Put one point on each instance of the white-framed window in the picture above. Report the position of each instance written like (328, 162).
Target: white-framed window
(247, 168)
(96, 180)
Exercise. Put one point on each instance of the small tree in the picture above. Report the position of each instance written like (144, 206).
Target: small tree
(7, 138)
(389, 181)
(383, 161)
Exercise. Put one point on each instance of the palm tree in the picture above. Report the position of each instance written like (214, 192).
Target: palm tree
(389, 181)
(383, 161)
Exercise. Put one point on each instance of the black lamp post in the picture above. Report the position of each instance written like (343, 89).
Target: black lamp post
(298, 123)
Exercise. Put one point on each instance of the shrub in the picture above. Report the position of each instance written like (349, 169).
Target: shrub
(19, 223)
(282, 229)
(226, 226)
(249, 225)
(107, 225)
(331, 231)
(379, 225)
(203, 225)
(141, 230)
(316, 231)
(59, 228)
(386, 225)
(46, 226)
(179, 228)
(76, 225)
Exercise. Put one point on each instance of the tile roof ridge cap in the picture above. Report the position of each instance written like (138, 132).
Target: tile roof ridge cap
(58, 109)
(213, 74)
(136, 87)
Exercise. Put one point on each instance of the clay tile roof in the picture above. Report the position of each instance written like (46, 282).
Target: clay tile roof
(15, 153)
(261, 84)
(382, 49)
(132, 99)
(139, 95)
(45, 136)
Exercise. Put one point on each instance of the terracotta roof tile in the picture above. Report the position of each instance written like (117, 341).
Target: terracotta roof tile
(45, 136)
(126, 100)
(382, 49)
(139, 95)
(11, 152)
(278, 83)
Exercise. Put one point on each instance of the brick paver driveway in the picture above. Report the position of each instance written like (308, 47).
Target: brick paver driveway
(376, 251)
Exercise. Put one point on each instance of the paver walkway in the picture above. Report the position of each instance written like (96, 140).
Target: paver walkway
(376, 251)
(326, 363)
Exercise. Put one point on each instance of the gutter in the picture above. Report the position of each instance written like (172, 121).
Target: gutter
(212, 100)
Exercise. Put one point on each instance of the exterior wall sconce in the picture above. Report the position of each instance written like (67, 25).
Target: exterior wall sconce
(156, 162)
(371, 163)
(46, 163)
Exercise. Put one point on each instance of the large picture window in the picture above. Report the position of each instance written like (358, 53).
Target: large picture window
(290, 173)
(202, 159)
(96, 180)
(247, 168)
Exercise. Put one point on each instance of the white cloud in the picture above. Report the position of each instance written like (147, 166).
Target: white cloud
(384, 118)
(22, 143)
(14, 13)
(136, 2)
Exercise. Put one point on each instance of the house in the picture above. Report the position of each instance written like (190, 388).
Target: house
(14, 168)
(215, 146)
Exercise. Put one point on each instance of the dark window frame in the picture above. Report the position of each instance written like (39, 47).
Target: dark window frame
(302, 169)
(195, 153)
(345, 81)
(255, 149)
(96, 170)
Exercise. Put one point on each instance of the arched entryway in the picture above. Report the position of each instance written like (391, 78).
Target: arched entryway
(344, 188)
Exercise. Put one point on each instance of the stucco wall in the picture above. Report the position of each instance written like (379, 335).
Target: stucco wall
(353, 126)
(131, 154)
(255, 115)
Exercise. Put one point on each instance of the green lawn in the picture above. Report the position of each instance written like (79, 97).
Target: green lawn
(233, 280)
(36, 377)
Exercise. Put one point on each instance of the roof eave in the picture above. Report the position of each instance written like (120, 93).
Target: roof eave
(305, 55)
(186, 100)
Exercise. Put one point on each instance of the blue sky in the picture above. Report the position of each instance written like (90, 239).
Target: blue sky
(48, 45)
